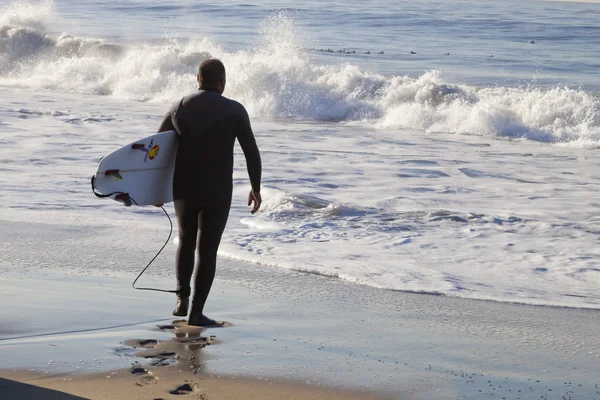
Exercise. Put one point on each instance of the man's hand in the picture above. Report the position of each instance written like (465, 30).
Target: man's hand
(255, 198)
(159, 205)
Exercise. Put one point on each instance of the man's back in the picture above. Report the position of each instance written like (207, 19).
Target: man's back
(208, 125)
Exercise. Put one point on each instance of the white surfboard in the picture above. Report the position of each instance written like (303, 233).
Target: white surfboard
(140, 173)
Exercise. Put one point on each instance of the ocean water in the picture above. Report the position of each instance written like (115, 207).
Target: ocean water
(444, 147)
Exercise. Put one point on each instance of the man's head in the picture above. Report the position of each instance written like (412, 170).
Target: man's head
(211, 75)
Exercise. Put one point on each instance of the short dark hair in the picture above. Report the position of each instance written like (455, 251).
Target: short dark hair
(211, 72)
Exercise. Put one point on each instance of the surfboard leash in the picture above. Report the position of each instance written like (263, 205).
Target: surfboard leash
(154, 258)
(128, 200)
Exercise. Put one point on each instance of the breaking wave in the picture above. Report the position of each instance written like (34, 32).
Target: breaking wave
(278, 78)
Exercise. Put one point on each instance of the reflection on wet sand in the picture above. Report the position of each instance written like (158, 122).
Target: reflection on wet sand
(183, 350)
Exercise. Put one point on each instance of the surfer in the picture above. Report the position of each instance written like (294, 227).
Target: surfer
(208, 125)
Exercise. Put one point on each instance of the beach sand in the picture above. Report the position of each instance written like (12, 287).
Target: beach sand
(159, 383)
(67, 329)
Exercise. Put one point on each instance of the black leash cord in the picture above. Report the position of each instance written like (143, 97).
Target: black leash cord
(157, 254)
(154, 258)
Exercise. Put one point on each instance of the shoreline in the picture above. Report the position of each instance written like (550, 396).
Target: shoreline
(440, 294)
(158, 271)
(134, 256)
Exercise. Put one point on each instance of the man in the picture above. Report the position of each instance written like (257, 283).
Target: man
(207, 124)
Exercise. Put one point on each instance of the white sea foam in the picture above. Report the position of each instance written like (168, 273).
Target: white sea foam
(279, 79)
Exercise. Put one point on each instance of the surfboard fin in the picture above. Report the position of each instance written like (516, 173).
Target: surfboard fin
(124, 198)
(115, 173)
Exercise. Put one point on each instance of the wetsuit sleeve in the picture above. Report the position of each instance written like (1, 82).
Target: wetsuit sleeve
(167, 122)
(248, 143)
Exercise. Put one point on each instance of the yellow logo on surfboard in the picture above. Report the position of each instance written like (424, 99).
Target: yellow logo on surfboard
(153, 152)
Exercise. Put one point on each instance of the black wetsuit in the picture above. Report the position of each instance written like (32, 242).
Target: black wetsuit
(208, 125)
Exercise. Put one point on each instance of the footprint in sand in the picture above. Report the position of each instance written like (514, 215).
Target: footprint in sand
(145, 375)
(148, 343)
(186, 388)
(137, 369)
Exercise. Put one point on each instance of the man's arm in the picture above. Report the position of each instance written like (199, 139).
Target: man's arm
(167, 125)
(253, 161)
(248, 144)
(167, 122)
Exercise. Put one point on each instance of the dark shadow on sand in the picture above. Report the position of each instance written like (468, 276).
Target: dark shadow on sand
(13, 390)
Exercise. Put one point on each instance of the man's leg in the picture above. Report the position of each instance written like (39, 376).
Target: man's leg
(187, 222)
(213, 220)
